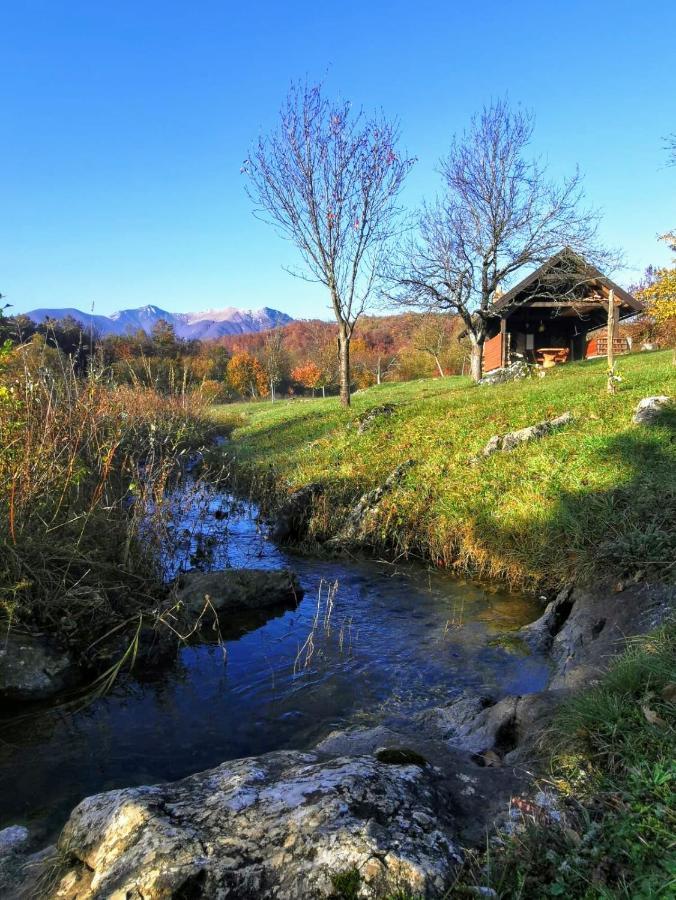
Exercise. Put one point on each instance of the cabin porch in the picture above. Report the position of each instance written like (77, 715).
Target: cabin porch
(546, 334)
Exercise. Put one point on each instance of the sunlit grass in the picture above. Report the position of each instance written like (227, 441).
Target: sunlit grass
(600, 495)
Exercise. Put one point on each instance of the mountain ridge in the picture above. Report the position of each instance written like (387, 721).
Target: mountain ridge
(205, 325)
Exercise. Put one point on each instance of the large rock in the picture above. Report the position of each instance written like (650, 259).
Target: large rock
(651, 409)
(356, 530)
(277, 826)
(13, 842)
(514, 372)
(293, 515)
(23, 874)
(33, 669)
(499, 732)
(597, 626)
(373, 416)
(477, 790)
(540, 633)
(233, 590)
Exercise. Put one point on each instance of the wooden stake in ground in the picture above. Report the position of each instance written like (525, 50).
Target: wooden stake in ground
(612, 313)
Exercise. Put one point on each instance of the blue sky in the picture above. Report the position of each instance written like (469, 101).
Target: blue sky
(124, 127)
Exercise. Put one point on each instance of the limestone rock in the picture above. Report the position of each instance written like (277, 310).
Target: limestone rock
(507, 729)
(356, 528)
(33, 669)
(456, 720)
(514, 372)
(12, 839)
(372, 416)
(540, 634)
(513, 439)
(651, 409)
(277, 826)
(234, 590)
(19, 871)
(476, 795)
(599, 622)
(358, 741)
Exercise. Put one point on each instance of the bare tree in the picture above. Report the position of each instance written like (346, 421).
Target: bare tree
(497, 214)
(433, 336)
(671, 148)
(670, 236)
(274, 358)
(329, 178)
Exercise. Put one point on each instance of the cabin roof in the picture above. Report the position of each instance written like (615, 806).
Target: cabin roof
(513, 298)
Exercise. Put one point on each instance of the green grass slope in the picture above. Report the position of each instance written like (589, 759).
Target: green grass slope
(597, 497)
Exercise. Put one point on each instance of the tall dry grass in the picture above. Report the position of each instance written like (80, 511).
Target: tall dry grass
(81, 462)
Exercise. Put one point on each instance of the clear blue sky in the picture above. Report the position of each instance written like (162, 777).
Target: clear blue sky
(124, 126)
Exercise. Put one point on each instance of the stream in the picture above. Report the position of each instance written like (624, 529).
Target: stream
(370, 643)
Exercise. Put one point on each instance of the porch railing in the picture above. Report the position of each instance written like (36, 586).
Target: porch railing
(620, 345)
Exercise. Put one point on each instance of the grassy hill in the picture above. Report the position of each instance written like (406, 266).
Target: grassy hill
(597, 497)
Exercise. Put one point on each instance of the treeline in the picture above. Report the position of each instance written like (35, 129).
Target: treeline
(299, 358)
(302, 357)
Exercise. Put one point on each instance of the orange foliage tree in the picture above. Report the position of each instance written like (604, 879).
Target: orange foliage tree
(247, 376)
(309, 375)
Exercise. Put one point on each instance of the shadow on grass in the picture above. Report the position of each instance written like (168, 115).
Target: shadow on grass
(627, 529)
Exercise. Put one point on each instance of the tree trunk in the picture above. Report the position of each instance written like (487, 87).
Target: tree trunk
(436, 360)
(378, 372)
(476, 361)
(344, 356)
(611, 341)
(324, 391)
(272, 391)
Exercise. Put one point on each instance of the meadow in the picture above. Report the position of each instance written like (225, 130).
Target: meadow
(597, 498)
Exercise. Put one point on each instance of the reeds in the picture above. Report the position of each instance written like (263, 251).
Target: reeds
(81, 463)
(322, 624)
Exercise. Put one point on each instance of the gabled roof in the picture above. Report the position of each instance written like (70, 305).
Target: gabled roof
(511, 298)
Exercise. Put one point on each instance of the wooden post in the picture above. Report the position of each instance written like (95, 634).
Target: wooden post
(612, 314)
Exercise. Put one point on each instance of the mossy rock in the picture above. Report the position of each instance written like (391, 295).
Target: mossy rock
(511, 644)
(346, 885)
(401, 756)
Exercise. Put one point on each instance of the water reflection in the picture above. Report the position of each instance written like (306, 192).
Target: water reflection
(398, 639)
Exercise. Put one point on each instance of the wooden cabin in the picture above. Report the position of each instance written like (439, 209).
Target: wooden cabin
(557, 314)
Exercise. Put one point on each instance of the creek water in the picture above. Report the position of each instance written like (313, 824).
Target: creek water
(371, 642)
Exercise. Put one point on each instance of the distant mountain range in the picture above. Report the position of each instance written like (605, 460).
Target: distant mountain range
(207, 325)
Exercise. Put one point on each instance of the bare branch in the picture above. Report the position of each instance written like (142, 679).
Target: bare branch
(498, 214)
(328, 179)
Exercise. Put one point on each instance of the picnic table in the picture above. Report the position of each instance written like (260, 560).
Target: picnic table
(551, 356)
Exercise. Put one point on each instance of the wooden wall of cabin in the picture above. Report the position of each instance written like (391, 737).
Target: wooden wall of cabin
(492, 358)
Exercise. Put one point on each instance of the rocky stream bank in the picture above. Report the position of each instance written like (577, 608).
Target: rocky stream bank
(397, 806)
